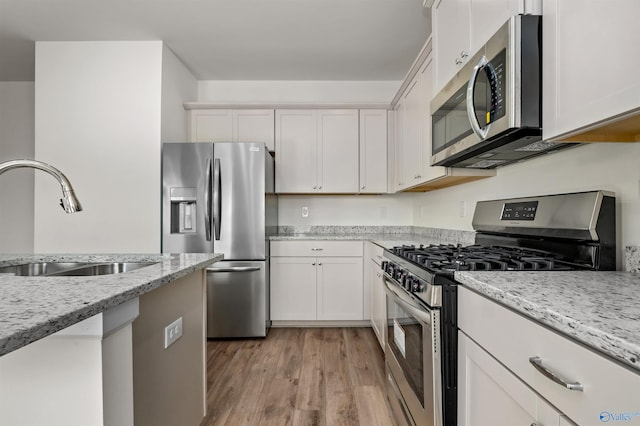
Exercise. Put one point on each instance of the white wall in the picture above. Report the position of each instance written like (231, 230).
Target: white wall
(16, 186)
(363, 210)
(297, 91)
(97, 118)
(607, 166)
(178, 86)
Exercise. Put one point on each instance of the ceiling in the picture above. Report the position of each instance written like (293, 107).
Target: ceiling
(231, 39)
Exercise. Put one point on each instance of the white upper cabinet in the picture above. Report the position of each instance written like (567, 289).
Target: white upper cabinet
(338, 151)
(461, 27)
(317, 151)
(412, 127)
(412, 137)
(398, 157)
(296, 148)
(210, 125)
(451, 33)
(226, 125)
(373, 151)
(590, 65)
(254, 125)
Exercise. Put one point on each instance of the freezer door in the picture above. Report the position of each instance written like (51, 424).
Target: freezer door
(239, 200)
(186, 197)
(237, 299)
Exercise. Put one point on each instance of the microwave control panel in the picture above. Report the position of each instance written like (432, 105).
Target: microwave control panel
(495, 72)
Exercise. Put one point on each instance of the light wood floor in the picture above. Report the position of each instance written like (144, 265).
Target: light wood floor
(298, 376)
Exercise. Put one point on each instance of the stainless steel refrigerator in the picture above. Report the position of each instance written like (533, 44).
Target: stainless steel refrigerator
(220, 198)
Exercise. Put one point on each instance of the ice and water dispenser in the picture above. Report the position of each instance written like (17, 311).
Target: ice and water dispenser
(183, 210)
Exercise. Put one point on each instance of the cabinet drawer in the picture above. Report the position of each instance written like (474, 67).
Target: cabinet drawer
(316, 248)
(609, 389)
(373, 251)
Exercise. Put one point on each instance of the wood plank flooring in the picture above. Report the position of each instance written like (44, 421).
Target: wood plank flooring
(297, 376)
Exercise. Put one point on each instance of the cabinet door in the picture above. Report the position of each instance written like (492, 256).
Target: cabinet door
(254, 125)
(426, 89)
(487, 16)
(339, 291)
(211, 125)
(296, 149)
(378, 302)
(398, 146)
(338, 151)
(489, 394)
(412, 123)
(588, 75)
(293, 288)
(451, 38)
(373, 151)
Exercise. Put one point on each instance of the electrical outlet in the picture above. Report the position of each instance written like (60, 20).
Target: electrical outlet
(305, 212)
(172, 332)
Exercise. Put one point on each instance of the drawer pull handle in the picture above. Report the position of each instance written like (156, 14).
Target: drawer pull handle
(536, 361)
(316, 249)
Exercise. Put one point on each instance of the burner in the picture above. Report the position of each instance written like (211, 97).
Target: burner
(449, 257)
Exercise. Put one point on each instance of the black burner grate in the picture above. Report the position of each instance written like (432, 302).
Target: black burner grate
(449, 257)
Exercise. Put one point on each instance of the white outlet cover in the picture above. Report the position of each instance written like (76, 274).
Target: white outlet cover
(305, 212)
(172, 332)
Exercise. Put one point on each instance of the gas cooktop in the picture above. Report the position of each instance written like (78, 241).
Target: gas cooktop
(449, 257)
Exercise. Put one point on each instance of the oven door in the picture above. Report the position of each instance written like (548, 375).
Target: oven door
(412, 356)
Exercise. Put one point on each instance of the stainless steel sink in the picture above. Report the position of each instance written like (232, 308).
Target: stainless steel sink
(103, 269)
(40, 268)
(57, 269)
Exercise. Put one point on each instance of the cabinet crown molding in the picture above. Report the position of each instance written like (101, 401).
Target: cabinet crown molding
(191, 105)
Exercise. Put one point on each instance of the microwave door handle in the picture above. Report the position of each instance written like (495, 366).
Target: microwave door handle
(471, 110)
(207, 201)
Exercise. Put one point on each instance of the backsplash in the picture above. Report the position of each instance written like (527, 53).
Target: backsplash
(632, 259)
(452, 235)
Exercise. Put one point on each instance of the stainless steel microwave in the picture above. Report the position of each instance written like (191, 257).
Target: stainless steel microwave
(490, 113)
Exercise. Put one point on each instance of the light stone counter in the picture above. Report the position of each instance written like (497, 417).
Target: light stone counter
(34, 307)
(384, 236)
(599, 309)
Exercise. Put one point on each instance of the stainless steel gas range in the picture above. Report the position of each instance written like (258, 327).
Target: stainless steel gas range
(544, 233)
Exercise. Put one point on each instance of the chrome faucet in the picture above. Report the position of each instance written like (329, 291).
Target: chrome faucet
(69, 202)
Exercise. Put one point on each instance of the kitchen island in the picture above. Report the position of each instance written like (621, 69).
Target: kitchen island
(70, 352)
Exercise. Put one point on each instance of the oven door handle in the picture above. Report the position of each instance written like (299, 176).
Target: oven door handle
(407, 302)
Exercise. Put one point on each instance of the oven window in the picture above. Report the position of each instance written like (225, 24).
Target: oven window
(406, 340)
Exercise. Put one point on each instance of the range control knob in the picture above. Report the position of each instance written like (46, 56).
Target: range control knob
(383, 265)
(406, 282)
(416, 286)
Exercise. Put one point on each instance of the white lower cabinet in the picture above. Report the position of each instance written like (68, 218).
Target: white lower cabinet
(496, 350)
(377, 300)
(489, 394)
(339, 288)
(293, 288)
(323, 281)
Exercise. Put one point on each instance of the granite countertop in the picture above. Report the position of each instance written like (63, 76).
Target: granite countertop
(34, 307)
(384, 236)
(597, 308)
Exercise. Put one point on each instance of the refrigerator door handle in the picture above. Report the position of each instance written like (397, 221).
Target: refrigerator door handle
(207, 202)
(217, 199)
(235, 269)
